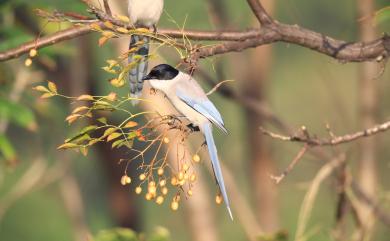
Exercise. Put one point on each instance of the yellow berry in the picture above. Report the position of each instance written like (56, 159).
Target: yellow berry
(123, 180)
(181, 182)
(152, 190)
(128, 180)
(218, 199)
(138, 190)
(196, 158)
(189, 192)
(163, 183)
(33, 53)
(159, 200)
(148, 196)
(164, 191)
(186, 176)
(160, 171)
(193, 178)
(174, 205)
(186, 167)
(142, 177)
(152, 184)
(174, 181)
(28, 62)
(166, 140)
(181, 175)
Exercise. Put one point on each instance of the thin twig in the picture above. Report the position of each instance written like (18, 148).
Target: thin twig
(308, 202)
(215, 88)
(336, 140)
(299, 156)
(107, 7)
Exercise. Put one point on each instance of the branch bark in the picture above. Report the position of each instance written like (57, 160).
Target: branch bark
(236, 41)
(333, 141)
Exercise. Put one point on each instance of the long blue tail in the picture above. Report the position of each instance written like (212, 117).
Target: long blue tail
(141, 58)
(208, 133)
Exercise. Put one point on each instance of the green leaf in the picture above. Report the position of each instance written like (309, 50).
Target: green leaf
(113, 136)
(17, 114)
(6, 149)
(82, 133)
(102, 120)
(118, 143)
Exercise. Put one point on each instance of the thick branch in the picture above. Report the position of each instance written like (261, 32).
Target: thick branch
(236, 41)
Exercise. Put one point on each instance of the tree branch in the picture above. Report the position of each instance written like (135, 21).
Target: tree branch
(260, 13)
(334, 140)
(235, 41)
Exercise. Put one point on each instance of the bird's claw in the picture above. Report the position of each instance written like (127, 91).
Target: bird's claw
(193, 128)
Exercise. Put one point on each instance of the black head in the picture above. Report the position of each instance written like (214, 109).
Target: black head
(162, 72)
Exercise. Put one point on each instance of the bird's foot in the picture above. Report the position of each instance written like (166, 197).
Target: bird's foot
(172, 120)
(193, 128)
(154, 28)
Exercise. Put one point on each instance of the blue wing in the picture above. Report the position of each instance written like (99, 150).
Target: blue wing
(204, 107)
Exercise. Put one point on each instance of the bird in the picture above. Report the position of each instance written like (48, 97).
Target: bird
(189, 99)
(142, 14)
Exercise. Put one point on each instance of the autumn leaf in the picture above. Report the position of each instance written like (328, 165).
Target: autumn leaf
(52, 87)
(102, 41)
(79, 109)
(41, 88)
(67, 146)
(131, 124)
(113, 136)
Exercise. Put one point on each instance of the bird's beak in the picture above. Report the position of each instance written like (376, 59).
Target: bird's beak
(146, 77)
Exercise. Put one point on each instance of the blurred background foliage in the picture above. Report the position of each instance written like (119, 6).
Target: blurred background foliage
(303, 88)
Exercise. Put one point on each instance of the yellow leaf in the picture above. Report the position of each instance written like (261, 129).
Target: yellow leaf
(108, 34)
(67, 146)
(122, 30)
(143, 30)
(102, 41)
(123, 18)
(93, 141)
(109, 70)
(112, 96)
(112, 62)
(85, 97)
(108, 24)
(47, 95)
(72, 118)
(131, 124)
(117, 82)
(79, 109)
(102, 120)
(41, 88)
(108, 132)
(84, 150)
(52, 87)
(113, 136)
(96, 27)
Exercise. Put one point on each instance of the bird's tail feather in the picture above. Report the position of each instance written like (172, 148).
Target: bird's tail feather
(139, 70)
(208, 133)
